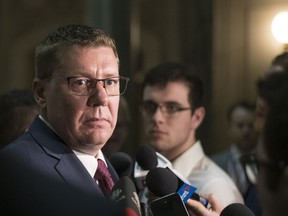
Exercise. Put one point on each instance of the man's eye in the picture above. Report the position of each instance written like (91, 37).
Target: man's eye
(111, 82)
(81, 82)
(151, 107)
(172, 108)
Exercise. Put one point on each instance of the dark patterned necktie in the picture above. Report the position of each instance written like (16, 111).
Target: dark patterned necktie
(103, 177)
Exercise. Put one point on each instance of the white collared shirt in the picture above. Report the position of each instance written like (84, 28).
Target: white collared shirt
(206, 176)
(90, 162)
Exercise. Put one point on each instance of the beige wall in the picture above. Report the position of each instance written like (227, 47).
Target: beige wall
(243, 47)
(22, 25)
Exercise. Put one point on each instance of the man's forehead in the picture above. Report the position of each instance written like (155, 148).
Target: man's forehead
(172, 92)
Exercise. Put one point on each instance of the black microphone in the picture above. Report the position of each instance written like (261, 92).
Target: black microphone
(146, 159)
(236, 209)
(122, 163)
(163, 181)
(124, 194)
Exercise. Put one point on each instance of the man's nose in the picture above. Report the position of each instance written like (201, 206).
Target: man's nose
(158, 115)
(99, 97)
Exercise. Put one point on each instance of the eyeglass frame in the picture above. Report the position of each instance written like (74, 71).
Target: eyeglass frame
(166, 113)
(90, 92)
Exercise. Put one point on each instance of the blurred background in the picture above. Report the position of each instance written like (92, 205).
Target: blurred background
(229, 41)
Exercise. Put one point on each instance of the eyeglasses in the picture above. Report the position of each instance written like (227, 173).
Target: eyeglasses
(149, 108)
(251, 165)
(84, 86)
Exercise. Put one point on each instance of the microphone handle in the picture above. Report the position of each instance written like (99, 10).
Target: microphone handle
(144, 209)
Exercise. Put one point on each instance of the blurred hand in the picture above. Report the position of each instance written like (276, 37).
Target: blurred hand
(196, 208)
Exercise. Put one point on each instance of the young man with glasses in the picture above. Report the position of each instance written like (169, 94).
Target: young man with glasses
(172, 108)
(53, 168)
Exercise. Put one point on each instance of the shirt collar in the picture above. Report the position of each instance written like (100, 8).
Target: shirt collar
(188, 160)
(90, 162)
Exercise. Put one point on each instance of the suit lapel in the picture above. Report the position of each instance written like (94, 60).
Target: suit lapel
(68, 166)
(74, 173)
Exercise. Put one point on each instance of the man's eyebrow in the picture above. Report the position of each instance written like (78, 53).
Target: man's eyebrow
(172, 103)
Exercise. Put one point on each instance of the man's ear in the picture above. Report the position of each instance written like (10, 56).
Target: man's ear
(198, 116)
(39, 92)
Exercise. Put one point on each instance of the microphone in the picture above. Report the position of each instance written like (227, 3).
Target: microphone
(146, 159)
(163, 181)
(236, 209)
(124, 194)
(122, 164)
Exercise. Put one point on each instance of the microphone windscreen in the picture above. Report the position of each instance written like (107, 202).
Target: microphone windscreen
(124, 194)
(161, 181)
(122, 163)
(146, 157)
(236, 209)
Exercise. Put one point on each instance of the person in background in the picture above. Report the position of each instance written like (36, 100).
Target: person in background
(57, 166)
(18, 109)
(118, 138)
(172, 108)
(278, 62)
(243, 137)
(272, 152)
(269, 164)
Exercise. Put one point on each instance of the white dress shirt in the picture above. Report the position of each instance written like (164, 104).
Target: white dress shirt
(206, 176)
(90, 162)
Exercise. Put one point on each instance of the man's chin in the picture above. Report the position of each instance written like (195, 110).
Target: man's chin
(156, 145)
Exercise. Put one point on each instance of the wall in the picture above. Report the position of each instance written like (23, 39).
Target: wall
(243, 47)
(22, 25)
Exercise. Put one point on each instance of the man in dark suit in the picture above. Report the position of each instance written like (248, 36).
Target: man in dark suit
(243, 137)
(50, 170)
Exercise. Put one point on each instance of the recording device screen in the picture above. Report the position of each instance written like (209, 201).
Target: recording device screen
(169, 205)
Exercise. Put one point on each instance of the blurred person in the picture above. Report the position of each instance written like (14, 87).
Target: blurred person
(57, 167)
(278, 63)
(17, 111)
(268, 167)
(172, 109)
(243, 137)
(117, 141)
(272, 156)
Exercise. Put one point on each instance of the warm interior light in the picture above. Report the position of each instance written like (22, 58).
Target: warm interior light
(279, 27)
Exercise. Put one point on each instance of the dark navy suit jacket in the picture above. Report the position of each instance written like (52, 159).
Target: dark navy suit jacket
(39, 173)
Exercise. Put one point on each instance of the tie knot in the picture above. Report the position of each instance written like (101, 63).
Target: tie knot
(103, 177)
